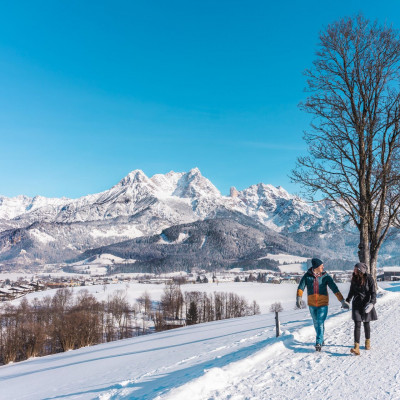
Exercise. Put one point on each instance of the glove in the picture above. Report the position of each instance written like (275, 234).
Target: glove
(299, 302)
(345, 305)
(368, 308)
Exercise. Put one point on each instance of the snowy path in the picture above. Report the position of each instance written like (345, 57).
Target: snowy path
(291, 369)
(231, 359)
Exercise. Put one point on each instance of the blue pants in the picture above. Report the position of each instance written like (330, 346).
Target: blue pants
(318, 315)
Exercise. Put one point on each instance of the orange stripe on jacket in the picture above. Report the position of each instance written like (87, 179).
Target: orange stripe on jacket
(320, 300)
(300, 293)
(339, 296)
(317, 300)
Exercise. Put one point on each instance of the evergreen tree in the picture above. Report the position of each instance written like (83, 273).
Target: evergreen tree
(192, 315)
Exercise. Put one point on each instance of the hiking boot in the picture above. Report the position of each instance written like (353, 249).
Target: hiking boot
(367, 344)
(318, 347)
(356, 349)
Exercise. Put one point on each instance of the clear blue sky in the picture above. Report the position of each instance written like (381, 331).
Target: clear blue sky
(91, 90)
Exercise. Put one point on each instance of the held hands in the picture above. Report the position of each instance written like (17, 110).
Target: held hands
(345, 305)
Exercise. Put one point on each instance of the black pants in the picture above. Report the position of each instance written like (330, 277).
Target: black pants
(357, 331)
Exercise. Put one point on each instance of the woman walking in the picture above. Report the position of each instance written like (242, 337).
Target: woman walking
(363, 293)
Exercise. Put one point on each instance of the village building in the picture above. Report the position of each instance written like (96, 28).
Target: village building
(389, 274)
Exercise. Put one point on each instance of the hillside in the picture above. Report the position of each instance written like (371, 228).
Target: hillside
(238, 358)
(208, 244)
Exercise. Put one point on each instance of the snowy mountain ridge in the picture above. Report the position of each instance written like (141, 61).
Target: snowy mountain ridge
(60, 229)
(261, 201)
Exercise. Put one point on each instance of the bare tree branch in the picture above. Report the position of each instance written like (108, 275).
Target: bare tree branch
(354, 144)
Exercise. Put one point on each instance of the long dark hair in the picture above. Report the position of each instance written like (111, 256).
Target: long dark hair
(359, 278)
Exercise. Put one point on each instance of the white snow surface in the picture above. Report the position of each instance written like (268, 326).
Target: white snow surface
(229, 359)
(293, 268)
(42, 237)
(104, 259)
(285, 258)
(111, 231)
(288, 263)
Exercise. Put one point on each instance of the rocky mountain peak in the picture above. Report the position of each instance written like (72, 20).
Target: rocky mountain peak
(233, 192)
(194, 171)
(266, 191)
(136, 176)
(194, 184)
(166, 183)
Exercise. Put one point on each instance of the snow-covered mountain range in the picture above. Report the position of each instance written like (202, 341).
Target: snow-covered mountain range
(40, 230)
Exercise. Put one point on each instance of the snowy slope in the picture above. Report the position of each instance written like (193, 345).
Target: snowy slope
(230, 359)
(211, 243)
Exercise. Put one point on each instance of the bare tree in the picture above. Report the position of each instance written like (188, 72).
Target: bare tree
(172, 301)
(145, 302)
(354, 142)
(255, 308)
(118, 307)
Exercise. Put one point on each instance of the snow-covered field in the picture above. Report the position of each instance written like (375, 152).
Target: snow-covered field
(289, 263)
(286, 258)
(229, 359)
(263, 293)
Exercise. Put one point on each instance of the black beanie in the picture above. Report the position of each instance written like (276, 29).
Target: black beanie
(315, 263)
(361, 267)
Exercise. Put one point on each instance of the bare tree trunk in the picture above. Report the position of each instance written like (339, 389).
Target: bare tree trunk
(364, 250)
(373, 264)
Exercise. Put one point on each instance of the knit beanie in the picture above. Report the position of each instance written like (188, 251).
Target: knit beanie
(315, 263)
(361, 267)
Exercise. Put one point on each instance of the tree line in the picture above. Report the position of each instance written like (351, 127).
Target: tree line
(63, 322)
(198, 307)
(68, 321)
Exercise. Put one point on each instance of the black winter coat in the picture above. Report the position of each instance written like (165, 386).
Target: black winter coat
(361, 295)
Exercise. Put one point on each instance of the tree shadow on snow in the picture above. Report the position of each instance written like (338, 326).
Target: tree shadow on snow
(158, 336)
(126, 354)
(160, 384)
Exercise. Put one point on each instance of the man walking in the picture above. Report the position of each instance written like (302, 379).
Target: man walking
(317, 281)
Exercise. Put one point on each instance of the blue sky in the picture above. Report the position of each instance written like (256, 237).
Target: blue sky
(93, 90)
